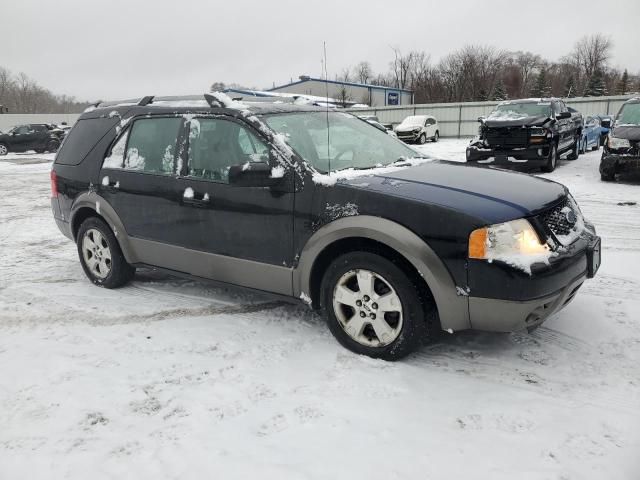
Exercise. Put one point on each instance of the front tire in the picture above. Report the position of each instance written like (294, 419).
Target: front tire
(552, 159)
(596, 147)
(373, 308)
(100, 255)
(575, 151)
(3, 149)
(52, 146)
(422, 139)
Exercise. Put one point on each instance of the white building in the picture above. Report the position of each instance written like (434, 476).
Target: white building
(373, 95)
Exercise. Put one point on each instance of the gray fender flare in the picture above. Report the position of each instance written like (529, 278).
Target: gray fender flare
(98, 204)
(453, 309)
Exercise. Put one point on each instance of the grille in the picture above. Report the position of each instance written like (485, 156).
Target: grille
(556, 219)
(511, 137)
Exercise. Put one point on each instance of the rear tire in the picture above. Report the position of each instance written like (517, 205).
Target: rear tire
(373, 308)
(52, 146)
(100, 255)
(596, 147)
(552, 160)
(3, 149)
(583, 146)
(436, 137)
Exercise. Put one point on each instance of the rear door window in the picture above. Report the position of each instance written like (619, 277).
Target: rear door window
(151, 145)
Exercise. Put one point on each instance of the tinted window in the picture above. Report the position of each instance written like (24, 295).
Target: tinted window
(152, 145)
(115, 159)
(215, 145)
(23, 129)
(84, 135)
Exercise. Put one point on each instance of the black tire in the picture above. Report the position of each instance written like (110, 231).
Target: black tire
(39, 150)
(436, 137)
(119, 272)
(575, 151)
(552, 159)
(422, 139)
(4, 149)
(602, 140)
(52, 146)
(596, 147)
(583, 146)
(418, 315)
(607, 176)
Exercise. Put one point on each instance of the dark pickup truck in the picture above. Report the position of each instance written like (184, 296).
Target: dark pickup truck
(530, 133)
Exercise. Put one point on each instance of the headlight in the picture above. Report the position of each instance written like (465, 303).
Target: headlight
(506, 241)
(615, 142)
(538, 132)
(416, 130)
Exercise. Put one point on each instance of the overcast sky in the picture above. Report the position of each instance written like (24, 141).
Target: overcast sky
(117, 49)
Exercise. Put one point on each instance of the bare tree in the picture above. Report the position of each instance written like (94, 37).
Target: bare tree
(363, 72)
(591, 53)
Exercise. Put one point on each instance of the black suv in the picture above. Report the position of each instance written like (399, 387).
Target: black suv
(41, 137)
(622, 145)
(530, 133)
(390, 246)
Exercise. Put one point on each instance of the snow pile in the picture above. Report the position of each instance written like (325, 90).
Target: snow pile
(227, 102)
(331, 178)
(188, 193)
(134, 160)
(276, 172)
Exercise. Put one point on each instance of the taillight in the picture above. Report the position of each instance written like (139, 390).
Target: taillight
(54, 184)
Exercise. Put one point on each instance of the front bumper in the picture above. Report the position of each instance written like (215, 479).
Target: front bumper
(505, 299)
(613, 163)
(408, 136)
(532, 156)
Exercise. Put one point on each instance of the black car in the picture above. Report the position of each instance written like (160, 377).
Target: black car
(391, 247)
(530, 133)
(40, 137)
(622, 146)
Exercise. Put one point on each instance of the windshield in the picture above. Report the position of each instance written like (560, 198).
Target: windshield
(529, 109)
(629, 114)
(352, 143)
(414, 121)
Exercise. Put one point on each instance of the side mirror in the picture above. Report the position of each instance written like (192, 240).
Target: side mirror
(252, 174)
(481, 119)
(606, 123)
(563, 115)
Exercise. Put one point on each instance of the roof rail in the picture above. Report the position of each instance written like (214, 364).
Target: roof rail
(144, 101)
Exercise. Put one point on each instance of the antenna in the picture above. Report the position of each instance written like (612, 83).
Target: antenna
(326, 86)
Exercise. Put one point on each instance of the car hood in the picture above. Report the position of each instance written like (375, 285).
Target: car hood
(630, 132)
(535, 121)
(489, 194)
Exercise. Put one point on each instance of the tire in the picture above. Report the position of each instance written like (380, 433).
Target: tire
(583, 146)
(3, 149)
(52, 146)
(552, 160)
(607, 176)
(575, 151)
(436, 137)
(596, 147)
(96, 240)
(409, 321)
(422, 139)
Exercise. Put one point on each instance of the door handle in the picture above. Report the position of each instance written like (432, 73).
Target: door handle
(194, 199)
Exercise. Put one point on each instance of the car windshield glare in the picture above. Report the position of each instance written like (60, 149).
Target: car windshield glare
(413, 121)
(529, 109)
(629, 115)
(332, 141)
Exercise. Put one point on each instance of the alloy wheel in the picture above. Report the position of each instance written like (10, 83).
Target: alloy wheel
(3, 150)
(96, 253)
(368, 308)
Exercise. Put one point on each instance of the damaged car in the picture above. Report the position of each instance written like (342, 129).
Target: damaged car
(531, 133)
(622, 146)
(322, 208)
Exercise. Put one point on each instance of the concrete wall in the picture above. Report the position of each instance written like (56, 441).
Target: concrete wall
(8, 120)
(461, 119)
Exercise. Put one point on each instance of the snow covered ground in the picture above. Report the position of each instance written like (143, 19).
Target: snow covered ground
(169, 378)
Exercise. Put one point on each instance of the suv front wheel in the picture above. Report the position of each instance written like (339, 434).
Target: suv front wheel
(373, 308)
(100, 255)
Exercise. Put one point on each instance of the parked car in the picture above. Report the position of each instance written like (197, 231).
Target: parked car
(40, 137)
(590, 134)
(376, 123)
(530, 133)
(622, 148)
(418, 129)
(390, 248)
(604, 131)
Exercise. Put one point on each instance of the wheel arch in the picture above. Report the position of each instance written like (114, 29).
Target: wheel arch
(349, 233)
(93, 205)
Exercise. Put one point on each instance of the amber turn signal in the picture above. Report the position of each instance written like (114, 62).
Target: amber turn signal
(478, 243)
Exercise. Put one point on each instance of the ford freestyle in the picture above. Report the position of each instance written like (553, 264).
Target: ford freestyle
(320, 207)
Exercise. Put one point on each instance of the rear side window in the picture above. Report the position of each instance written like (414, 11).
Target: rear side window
(151, 145)
(84, 135)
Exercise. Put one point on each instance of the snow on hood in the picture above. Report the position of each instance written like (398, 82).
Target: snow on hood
(340, 176)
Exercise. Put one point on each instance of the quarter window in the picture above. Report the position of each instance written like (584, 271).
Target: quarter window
(151, 145)
(215, 145)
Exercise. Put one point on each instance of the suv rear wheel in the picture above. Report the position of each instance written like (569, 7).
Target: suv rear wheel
(100, 255)
(3, 149)
(373, 308)
(436, 137)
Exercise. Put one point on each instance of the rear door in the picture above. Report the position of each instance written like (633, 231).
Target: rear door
(138, 179)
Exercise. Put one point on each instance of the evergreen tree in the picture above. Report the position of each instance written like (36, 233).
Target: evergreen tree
(542, 88)
(483, 95)
(500, 92)
(623, 85)
(596, 86)
(570, 87)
